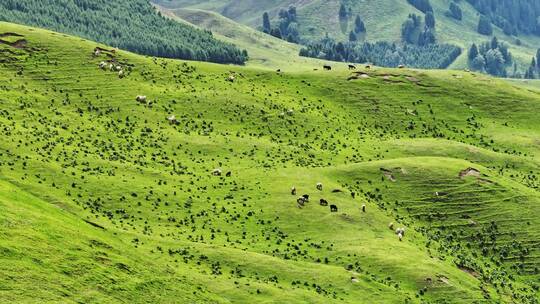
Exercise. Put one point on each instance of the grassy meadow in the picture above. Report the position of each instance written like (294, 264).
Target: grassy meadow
(102, 200)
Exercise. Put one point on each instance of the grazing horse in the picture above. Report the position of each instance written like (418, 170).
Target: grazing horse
(327, 68)
(352, 67)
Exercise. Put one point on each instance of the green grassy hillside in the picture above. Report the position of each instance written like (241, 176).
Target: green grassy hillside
(383, 19)
(265, 51)
(103, 200)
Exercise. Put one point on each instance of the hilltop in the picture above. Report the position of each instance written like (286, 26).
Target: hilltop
(107, 197)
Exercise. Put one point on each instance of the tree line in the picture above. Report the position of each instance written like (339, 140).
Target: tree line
(492, 57)
(287, 27)
(381, 53)
(132, 25)
(513, 16)
(533, 72)
(414, 31)
(418, 49)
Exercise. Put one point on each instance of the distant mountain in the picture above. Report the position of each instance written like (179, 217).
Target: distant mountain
(133, 25)
(458, 23)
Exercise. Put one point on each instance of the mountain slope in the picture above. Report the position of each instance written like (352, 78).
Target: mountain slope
(264, 50)
(383, 19)
(132, 25)
(112, 203)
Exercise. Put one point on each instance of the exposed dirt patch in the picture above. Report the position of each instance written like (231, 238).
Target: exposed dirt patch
(19, 44)
(359, 75)
(443, 279)
(469, 172)
(388, 174)
(469, 271)
(109, 53)
(392, 78)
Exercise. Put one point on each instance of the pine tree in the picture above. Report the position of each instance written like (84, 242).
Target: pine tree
(342, 11)
(494, 43)
(429, 20)
(538, 59)
(484, 26)
(410, 30)
(422, 5)
(359, 26)
(478, 63)
(529, 74)
(292, 14)
(454, 11)
(507, 29)
(352, 36)
(427, 37)
(276, 32)
(473, 52)
(266, 23)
